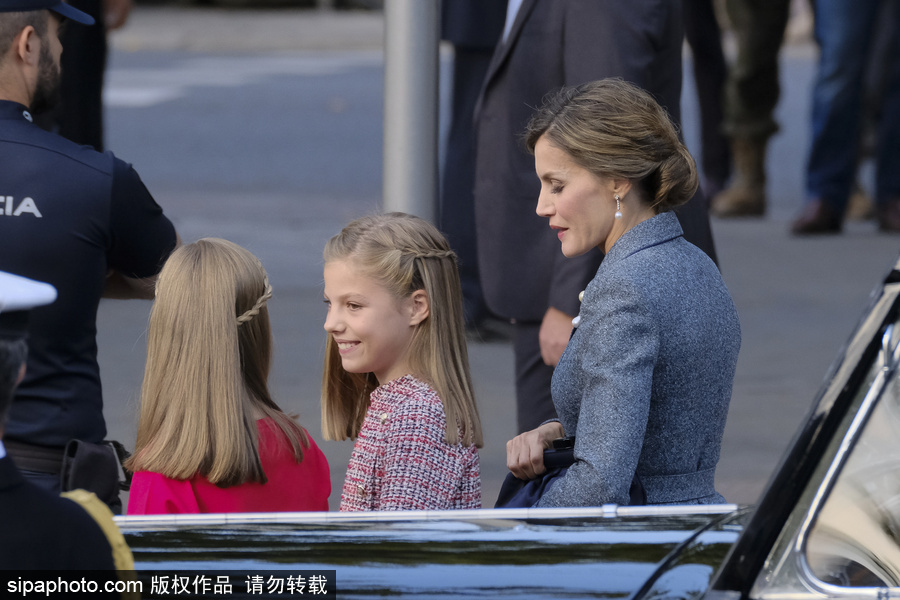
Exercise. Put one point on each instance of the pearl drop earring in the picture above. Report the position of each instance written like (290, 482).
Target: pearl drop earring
(618, 207)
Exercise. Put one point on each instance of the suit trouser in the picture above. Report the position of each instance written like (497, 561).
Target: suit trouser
(710, 72)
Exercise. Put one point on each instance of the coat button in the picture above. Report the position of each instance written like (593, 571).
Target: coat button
(384, 418)
(361, 489)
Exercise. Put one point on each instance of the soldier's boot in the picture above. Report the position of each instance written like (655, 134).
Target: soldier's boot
(746, 195)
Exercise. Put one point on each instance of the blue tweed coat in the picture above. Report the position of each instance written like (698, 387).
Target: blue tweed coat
(645, 381)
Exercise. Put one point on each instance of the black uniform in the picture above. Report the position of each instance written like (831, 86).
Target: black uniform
(68, 214)
(43, 531)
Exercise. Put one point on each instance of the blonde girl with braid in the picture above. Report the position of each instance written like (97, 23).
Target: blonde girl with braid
(210, 437)
(396, 375)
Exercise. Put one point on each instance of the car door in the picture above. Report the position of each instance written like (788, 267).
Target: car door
(828, 525)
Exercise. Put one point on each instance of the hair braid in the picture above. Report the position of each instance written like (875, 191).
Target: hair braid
(252, 312)
(431, 254)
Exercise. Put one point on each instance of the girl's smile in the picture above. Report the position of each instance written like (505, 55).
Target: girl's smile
(344, 346)
(372, 328)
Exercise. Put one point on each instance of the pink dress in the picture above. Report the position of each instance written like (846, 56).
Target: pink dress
(401, 460)
(290, 486)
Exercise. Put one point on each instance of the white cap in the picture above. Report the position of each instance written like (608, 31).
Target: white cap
(21, 293)
(18, 295)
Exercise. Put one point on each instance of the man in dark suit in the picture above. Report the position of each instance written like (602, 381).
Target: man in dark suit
(548, 44)
(40, 530)
(473, 27)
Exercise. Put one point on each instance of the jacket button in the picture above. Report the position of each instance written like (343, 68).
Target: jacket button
(384, 417)
(361, 489)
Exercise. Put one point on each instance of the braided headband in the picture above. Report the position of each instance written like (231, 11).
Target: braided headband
(259, 304)
(433, 254)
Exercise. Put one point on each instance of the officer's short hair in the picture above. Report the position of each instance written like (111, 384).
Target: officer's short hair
(11, 23)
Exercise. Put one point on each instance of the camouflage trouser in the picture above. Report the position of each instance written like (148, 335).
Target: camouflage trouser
(752, 89)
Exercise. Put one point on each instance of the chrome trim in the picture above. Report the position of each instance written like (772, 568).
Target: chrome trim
(139, 522)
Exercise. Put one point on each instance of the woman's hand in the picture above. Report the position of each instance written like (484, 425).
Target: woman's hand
(525, 452)
(554, 335)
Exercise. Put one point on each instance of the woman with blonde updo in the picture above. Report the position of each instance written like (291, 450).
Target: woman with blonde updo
(645, 381)
(210, 437)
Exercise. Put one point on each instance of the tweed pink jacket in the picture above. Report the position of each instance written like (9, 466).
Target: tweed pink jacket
(401, 460)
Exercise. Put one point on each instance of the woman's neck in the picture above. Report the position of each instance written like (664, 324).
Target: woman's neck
(625, 224)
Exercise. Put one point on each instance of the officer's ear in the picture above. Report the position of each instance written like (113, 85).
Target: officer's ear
(28, 46)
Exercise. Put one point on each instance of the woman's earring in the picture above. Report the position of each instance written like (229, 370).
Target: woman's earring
(618, 208)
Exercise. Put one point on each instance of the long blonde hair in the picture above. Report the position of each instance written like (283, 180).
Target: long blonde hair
(404, 254)
(209, 350)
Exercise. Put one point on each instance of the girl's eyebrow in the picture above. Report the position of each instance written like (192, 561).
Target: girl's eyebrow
(347, 296)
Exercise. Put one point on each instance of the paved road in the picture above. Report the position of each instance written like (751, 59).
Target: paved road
(264, 127)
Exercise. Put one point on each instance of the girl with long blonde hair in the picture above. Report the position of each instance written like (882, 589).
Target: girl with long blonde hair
(396, 376)
(210, 437)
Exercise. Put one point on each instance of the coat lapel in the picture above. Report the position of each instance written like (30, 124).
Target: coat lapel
(504, 47)
(501, 52)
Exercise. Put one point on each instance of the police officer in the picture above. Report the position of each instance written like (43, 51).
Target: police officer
(40, 531)
(82, 221)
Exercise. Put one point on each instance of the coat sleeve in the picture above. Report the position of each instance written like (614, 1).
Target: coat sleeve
(616, 350)
(421, 470)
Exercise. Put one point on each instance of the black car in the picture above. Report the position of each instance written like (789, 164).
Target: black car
(827, 526)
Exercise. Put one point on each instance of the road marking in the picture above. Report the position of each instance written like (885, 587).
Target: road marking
(135, 87)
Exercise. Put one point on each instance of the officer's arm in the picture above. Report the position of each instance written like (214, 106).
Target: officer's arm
(120, 287)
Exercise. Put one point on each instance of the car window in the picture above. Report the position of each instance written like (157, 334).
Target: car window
(855, 540)
(843, 538)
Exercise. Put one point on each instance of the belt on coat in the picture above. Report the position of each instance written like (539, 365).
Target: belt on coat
(662, 489)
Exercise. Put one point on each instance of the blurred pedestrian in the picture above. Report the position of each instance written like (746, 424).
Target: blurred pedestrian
(751, 94)
(82, 221)
(548, 44)
(701, 29)
(844, 31)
